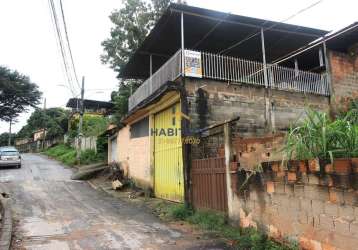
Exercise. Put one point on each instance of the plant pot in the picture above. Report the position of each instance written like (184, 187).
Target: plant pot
(293, 165)
(328, 169)
(354, 162)
(342, 166)
(313, 165)
(302, 166)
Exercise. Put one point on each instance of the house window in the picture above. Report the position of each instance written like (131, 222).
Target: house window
(140, 128)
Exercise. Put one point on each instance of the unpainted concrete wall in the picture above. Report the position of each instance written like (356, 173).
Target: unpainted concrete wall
(247, 101)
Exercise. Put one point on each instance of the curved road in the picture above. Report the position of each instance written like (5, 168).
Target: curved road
(53, 212)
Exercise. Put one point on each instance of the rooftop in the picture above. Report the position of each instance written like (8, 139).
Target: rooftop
(212, 31)
(89, 104)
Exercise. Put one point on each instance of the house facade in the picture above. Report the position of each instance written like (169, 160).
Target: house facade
(197, 72)
(202, 69)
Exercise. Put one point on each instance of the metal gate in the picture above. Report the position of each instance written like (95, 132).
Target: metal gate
(209, 184)
(168, 158)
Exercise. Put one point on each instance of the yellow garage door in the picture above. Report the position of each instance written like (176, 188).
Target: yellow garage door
(168, 161)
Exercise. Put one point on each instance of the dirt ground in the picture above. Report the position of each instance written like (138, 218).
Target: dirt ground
(51, 211)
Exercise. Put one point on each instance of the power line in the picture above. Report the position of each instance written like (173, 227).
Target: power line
(61, 45)
(63, 67)
(68, 43)
(270, 27)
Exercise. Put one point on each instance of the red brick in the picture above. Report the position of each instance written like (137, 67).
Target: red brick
(313, 165)
(291, 176)
(270, 187)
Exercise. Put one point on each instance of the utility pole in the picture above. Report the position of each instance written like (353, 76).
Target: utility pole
(44, 126)
(81, 121)
(9, 141)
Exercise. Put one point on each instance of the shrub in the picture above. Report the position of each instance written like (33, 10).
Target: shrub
(248, 238)
(180, 212)
(90, 156)
(67, 155)
(320, 137)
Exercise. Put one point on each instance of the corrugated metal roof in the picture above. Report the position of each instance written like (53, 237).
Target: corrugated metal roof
(215, 31)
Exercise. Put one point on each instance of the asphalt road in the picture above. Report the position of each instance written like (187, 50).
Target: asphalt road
(52, 212)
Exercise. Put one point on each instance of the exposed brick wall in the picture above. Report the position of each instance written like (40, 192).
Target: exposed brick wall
(134, 154)
(344, 70)
(297, 204)
(226, 101)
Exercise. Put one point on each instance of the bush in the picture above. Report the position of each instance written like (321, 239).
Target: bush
(67, 155)
(208, 220)
(320, 137)
(248, 238)
(89, 156)
(180, 212)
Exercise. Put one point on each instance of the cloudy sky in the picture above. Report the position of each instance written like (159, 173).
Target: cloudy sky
(28, 42)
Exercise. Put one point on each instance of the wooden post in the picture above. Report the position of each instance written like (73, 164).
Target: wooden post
(267, 90)
(227, 143)
(182, 44)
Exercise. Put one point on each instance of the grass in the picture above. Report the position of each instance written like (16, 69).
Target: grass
(67, 155)
(217, 223)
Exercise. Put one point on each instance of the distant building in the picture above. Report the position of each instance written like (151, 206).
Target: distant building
(39, 134)
(90, 106)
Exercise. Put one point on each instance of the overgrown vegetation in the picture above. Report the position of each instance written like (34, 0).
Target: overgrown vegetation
(131, 24)
(217, 224)
(93, 125)
(67, 155)
(323, 138)
(55, 120)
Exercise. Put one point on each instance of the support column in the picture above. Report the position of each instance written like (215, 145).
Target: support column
(268, 120)
(184, 122)
(150, 72)
(227, 145)
(182, 44)
(328, 71)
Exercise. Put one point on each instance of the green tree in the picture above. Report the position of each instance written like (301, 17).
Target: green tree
(4, 138)
(55, 120)
(132, 23)
(93, 125)
(17, 94)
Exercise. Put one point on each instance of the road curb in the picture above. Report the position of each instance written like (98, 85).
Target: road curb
(6, 222)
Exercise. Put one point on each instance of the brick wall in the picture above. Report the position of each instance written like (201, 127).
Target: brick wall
(344, 70)
(226, 101)
(318, 210)
(134, 156)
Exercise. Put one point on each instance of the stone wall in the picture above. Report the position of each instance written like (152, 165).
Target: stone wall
(317, 209)
(212, 101)
(344, 70)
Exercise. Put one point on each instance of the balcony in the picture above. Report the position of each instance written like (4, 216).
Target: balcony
(235, 71)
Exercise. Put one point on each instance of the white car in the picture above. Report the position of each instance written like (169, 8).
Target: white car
(10, 157)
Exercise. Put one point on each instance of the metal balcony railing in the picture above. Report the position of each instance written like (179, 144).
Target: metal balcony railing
(235, 70)
(170, 71)
(238, 70)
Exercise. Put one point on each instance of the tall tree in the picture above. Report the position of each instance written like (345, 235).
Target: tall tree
(132, 23)
(4, 139)
(55, 120)
(17, 94)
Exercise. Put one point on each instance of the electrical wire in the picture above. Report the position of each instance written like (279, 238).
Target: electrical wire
(270, 27)
(68, 43)
(62, 46)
